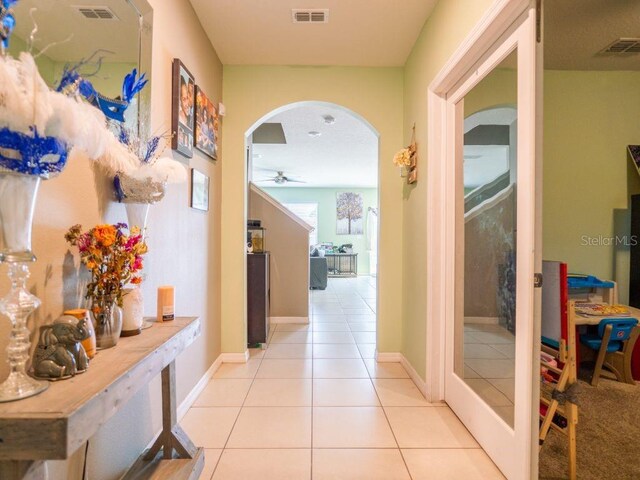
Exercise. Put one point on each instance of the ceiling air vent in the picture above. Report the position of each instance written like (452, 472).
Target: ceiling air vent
(310, 16)
(96, 13)
(624, 45)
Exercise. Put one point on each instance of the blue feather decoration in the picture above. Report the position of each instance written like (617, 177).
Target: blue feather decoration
(34, 154)
(152, 146)
(132, 85)
(118, 188)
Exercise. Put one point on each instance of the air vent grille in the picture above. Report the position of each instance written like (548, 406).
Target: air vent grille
(95, 12)
(624, 45)
(310, 16)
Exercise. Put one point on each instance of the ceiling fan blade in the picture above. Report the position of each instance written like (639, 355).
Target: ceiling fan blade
(295, 181)
(266, 180)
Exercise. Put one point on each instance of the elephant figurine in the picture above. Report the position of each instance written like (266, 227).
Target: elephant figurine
(59, 353)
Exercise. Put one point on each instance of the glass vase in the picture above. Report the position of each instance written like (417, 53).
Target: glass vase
(18, 304)
(17, 202)
(107, 320)
(137, 215)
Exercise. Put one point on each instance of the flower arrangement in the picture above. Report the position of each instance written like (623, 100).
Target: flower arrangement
(113, 257)
(402, 158)
(407, 159)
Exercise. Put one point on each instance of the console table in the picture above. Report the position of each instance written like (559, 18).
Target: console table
(342, 264)
(55, 423)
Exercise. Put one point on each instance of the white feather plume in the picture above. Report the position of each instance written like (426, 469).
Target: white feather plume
(29, 102)
(163, 169)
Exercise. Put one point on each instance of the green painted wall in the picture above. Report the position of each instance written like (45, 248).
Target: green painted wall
(447, 26)
(250, 94)
(589, 119)
(326, 200)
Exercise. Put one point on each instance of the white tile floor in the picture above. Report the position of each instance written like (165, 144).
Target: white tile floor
(315, 405)
(489, 357)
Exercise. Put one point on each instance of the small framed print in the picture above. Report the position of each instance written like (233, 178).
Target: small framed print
(206, 125)
(199, 190)
(182, 109)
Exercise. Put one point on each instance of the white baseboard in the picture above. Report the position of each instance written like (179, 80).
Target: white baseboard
(233, 357)
(481, 320)
(301, 320)
(389, 357)
(420, 383)
(189, 400)
(397, 357)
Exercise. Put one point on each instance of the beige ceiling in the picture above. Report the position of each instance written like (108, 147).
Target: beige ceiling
(577, 30)
(359, 32)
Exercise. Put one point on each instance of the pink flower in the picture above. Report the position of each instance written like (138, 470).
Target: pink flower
(137, 265)
(83, 242)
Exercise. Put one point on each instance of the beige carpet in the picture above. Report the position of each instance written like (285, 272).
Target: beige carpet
(608, 435)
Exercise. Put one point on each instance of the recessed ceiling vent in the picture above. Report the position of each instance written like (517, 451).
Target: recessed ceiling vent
(95, 12)
(624, 45)
(316, 15)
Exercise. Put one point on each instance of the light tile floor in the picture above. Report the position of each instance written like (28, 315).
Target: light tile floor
(489, 357)
(316, 405)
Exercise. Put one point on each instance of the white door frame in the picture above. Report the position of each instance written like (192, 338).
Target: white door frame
(477, 47)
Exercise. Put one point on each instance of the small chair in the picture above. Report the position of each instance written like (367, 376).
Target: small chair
(614, 344)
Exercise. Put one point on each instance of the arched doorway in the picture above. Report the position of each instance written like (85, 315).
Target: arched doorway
(319, 161)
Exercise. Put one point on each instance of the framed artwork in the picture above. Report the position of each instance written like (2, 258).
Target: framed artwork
(349, 214)
(199, 190)
(182, 109)
(206, 128)
(634, 151)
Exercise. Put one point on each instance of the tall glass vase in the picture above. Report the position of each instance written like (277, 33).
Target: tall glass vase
(137, 214)
(17, 202)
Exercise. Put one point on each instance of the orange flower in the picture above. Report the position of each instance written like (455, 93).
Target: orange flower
(105, 234)
(136, 280)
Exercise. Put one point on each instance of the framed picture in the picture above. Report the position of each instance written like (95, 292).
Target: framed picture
(182, 109)
(349, 211)
(199, 190)
(206, 128)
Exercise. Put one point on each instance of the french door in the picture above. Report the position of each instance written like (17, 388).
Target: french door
(490, 214)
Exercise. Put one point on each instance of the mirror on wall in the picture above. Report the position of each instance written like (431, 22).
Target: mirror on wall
(486, 318)
(112, 36)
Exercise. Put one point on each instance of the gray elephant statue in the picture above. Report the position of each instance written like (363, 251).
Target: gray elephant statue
(59, 353)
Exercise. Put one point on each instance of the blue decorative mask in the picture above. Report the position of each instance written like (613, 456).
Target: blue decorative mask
(32, 154)
(113, 108)
(7, 21)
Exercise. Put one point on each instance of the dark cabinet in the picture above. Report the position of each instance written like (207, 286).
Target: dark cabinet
(257, 297)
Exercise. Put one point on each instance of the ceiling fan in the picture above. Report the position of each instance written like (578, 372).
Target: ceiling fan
(281, 179)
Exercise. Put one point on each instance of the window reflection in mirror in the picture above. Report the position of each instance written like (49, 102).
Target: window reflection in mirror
(486, 326)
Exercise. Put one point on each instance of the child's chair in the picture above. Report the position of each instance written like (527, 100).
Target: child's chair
(614, 344)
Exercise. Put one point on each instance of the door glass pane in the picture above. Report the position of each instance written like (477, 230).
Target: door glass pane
(486, 276)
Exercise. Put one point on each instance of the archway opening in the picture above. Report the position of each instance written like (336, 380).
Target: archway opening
(316, 163)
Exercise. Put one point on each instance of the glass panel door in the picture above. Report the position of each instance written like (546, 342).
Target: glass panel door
(486, 320)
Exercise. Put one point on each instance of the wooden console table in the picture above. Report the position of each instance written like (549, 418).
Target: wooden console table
(55, 423)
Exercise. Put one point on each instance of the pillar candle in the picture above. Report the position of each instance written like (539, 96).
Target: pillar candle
(166, 303)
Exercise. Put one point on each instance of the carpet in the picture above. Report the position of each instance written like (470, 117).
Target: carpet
(608, 435)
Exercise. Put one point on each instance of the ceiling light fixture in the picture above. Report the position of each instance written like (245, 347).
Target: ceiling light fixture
(329, 119)
(314, 133)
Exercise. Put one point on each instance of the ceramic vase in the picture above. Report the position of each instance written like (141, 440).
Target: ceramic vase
(132, 311)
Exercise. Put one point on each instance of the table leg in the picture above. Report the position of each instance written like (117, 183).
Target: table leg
(22, 470)
(172, 436)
